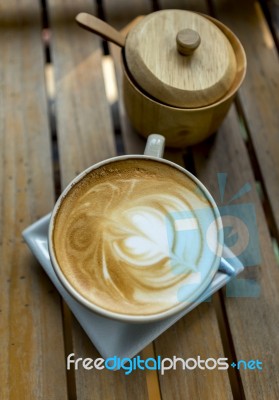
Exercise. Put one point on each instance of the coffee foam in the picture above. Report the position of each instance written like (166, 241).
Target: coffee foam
(115, 236)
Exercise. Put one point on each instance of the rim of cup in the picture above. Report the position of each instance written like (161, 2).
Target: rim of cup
(129, 317)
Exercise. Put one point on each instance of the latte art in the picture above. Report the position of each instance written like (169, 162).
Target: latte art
(116, 238)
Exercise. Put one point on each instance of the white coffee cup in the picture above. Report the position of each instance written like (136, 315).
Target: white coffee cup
(209, 261)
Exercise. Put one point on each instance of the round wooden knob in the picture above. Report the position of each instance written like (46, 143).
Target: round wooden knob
(187, 41)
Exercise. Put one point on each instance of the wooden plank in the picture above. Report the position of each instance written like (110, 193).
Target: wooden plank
(105, 384)
(253, 322)
(190, 331)
(259, 96)
(271, 7)
(197, 334)
(120, 14)
(30, 315)
(85, 136)
(191, 5)
(83, 116)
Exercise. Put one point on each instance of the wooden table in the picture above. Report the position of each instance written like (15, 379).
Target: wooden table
(56, 119)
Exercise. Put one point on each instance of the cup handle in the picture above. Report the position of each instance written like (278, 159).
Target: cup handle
(226, 267)
(155, 145)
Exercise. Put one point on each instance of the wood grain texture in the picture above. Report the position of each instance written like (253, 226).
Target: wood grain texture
(195, 334)
(273, 7)
(152, 379)
(83, 115)
(180, 126)
(253, 321)
(32, 361)
(85, 136)
(191, 5)
(122, 13)
(182, 81)
(259, 96)
(176, 340)
(105, 384)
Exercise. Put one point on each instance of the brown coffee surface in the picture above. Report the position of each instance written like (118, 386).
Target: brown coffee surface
(115, 236)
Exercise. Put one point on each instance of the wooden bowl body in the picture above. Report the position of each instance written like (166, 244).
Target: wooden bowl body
(181, 126)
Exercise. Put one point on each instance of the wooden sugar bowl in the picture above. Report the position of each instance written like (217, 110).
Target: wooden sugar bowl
(181, 72)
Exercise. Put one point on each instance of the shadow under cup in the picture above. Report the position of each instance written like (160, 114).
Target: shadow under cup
(158, 249)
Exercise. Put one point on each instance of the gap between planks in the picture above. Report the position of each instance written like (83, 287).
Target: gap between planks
(51, 94)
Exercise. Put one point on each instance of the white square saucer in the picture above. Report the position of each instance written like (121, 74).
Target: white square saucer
(113, 338)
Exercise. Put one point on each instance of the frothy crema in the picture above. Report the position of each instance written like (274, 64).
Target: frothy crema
(120, 236)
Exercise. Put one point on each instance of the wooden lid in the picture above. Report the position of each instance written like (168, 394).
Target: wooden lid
(180, 58)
